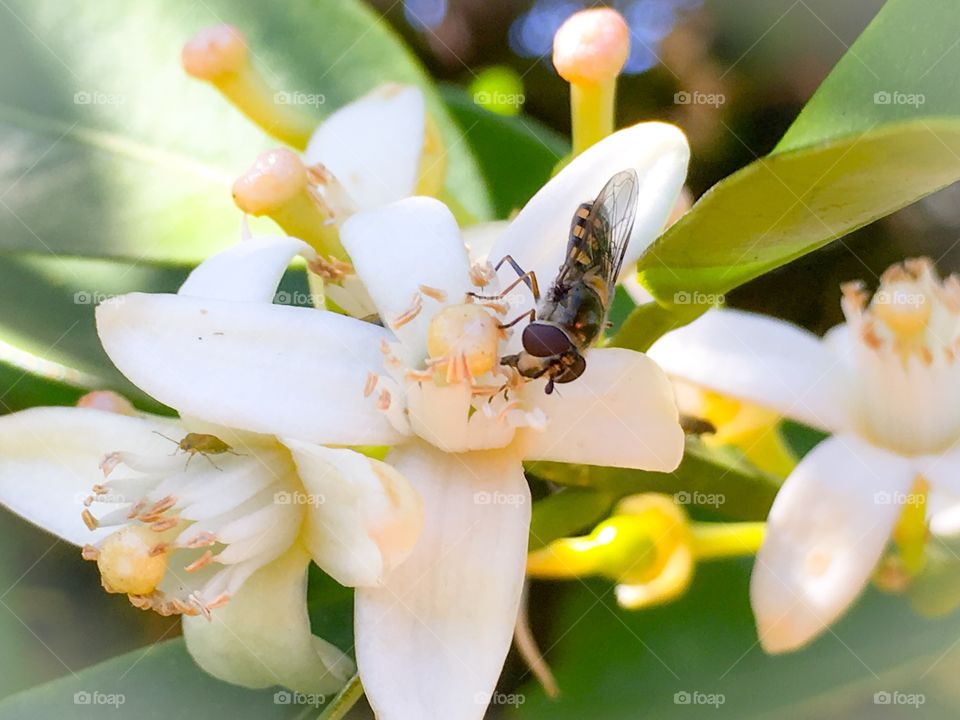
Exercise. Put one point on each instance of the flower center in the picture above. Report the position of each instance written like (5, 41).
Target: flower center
(462, 341)
(905, 381)
(191, 529)
(132, 560)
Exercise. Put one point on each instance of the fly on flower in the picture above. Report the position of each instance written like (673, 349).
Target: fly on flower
(570, 317)
(201, 443)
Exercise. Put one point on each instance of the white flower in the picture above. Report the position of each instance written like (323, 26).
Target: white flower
(887, 385)
(432, 637)
(223, 536)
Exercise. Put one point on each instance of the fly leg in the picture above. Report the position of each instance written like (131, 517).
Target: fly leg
(528, 278)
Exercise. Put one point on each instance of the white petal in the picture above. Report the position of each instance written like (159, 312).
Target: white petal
(537, 237)
(432, 641)
(261, 636)
(248, 271)
(825, 533)
(480, 239)
(766, 361)
(264, 368)
(397, 249)
(49, 458)
(621, 413)
(373, 145)
(943, 505)
(363, 517)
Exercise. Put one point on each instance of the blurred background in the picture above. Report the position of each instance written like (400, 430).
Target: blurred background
(761, 60)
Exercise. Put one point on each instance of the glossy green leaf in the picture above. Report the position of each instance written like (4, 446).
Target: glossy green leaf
(111, 150)
(716, 479)
(881, 132)
(160, 682)
(516, 154)
(622, 665)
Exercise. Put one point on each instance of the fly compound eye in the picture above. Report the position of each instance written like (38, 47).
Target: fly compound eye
(543, 340)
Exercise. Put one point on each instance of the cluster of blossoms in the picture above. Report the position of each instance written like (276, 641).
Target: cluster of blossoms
(280, 403)
(381, 436)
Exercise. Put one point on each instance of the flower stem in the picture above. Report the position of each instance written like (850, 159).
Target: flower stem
(723, 540)
(344, 700)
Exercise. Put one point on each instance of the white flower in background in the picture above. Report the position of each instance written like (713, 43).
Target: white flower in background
(887, 385)
(224, 535)
(433, 637)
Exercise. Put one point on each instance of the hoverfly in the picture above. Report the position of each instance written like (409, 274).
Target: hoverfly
(573, 312)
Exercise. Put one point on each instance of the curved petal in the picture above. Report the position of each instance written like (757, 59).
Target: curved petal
(943, 506)
(373, 145)
(432, 641)
(401, 248)
(50, 457)
(537, 237)
(762, 360)
(248, 271)
(825, 533)
(270, 369)
(261, 636)
(480, 239)
(620, 413)
(363, 517)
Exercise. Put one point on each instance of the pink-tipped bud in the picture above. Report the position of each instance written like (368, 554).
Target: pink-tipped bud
(276, 177)
(591, 46)
(107, 401)
(214, 52)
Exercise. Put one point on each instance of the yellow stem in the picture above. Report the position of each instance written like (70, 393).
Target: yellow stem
(592, 112)
(722, 540)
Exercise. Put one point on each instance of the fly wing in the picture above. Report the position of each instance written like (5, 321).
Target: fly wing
(607, 230)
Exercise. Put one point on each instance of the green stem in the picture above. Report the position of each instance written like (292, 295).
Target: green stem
(344, 701)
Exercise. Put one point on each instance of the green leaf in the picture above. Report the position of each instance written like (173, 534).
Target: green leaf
(567, 512)
(160, 682)
(648, 322)
(622, 665)
(143, 168)
(716, 479)
(330, 605)
(517, 154)
(850, 158)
